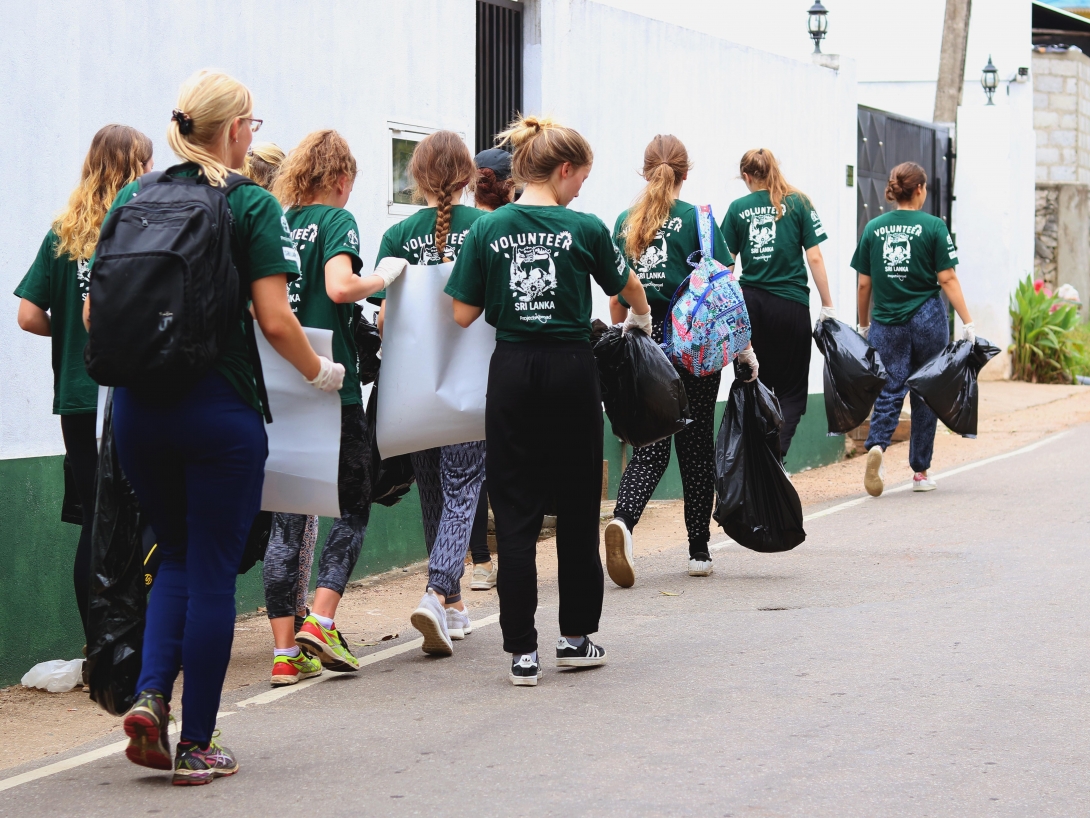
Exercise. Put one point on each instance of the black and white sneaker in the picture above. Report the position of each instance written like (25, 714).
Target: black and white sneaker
(587, 654)
(525, 670)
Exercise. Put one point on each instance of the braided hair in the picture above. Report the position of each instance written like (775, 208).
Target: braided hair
(440, 166)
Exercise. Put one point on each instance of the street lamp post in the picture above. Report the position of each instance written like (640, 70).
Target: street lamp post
(818, 24)
(989, 80)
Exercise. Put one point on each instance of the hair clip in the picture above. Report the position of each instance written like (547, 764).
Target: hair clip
(185, 122)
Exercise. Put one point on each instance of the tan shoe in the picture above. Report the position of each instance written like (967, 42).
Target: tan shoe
(873, 478)
(484, 577)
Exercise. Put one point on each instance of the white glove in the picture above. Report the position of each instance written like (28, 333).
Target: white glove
(827, 312)
(330, 377)
(748, 356)
(864, 331)
(641, 322)
(968, 332)
(390, 268)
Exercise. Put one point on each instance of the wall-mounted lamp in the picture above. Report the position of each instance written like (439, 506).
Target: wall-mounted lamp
(1020, 76)
(989, 80)
(818, 24)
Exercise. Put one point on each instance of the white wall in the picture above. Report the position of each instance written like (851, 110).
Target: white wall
(620, 78)
(72, 66)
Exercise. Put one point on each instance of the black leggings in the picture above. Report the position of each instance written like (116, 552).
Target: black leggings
(543, 424)
(478, 538)
(82, 450)
(695, 457)
(782, 342)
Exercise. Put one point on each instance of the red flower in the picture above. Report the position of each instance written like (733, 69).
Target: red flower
(1038, 285)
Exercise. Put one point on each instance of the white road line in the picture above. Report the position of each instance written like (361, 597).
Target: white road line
(825, 512)
(260, 699)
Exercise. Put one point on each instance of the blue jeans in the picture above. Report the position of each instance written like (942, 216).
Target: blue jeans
(197, 465)
(904, 349)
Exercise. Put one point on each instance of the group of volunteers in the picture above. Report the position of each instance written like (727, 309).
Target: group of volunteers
(524, 261)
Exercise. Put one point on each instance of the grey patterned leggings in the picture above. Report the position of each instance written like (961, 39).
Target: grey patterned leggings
(449, 480)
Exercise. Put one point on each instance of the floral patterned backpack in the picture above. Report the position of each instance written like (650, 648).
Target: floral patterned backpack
(707, 325)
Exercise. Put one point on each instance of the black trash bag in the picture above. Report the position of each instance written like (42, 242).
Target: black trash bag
(643, 393)
(368, 343)
(257, 542)
(854, 375)
(118, 591)
(391, 478)
(947, 383)
(757, 506)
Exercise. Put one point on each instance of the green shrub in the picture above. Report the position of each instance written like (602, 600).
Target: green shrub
(1081, 364)
(1045, 348)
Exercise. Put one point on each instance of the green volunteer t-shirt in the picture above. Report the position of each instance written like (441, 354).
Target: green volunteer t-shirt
(773, 249)
(59, 286)
(664, 265)
(261, 247)
(413, 239)
(321, 232)
(530, 268)
(903, 251)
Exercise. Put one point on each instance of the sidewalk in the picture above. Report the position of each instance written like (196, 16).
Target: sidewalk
(1012, 415)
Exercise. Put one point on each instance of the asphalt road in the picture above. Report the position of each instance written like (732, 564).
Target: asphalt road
(918, 655)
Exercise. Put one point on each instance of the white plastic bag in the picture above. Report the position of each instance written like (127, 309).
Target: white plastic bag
(56, 676)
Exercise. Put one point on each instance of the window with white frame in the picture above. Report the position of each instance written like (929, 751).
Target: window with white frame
(403, 140)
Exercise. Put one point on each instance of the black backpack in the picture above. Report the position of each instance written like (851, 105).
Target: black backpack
(164, 288)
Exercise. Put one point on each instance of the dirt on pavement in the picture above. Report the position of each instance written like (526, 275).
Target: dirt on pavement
(1012, 414)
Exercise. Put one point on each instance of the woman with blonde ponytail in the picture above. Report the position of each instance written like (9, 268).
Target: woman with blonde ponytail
(658, 237)
(527, 268)
(449, 477)
(52, 294)
(773, 229)
(197, 460)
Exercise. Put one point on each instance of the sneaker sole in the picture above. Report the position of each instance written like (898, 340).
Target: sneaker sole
(872, 480)
(281, 681)
(317, 648)
(145, 747)
(693, 572)
(618, 565)
(429, 627)
(524, 681)
(481, 586)
(579, 661)
(195, 779)
(924, 488)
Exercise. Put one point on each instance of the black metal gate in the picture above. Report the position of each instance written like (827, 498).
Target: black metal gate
(886, 140)
(499, 67)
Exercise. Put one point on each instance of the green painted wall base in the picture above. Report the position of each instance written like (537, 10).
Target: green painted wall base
(37, 549)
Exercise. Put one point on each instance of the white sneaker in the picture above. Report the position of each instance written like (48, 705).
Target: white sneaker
(619, 554)
(874, 477)
(921, 482)
(700, 565)
(430, 619)
(459, 625)
(484, 577)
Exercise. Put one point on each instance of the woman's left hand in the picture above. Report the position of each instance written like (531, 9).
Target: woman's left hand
(968, 332)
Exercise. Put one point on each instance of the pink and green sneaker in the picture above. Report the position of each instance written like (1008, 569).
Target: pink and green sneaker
(194, 766)
(288, 670)
(327, 644)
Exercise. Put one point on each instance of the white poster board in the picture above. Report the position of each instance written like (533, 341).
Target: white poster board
(304, 437)
(434, 373)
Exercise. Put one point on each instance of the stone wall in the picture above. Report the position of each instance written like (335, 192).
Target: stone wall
(1061, 115)
(1046, 235)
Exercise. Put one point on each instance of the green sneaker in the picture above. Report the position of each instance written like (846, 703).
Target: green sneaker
(327, 644)
(288, 670)
(146, 725)
(193, 765)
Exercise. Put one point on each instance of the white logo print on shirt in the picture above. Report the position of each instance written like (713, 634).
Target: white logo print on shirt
(762, 232)
(533, 275)
(83, 277)
(897, 252)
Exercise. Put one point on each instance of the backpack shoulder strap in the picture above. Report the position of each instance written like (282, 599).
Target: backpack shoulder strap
(149, 179)
(704, 222)
(235, 181)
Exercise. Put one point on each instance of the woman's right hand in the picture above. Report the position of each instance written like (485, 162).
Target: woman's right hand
(330, 375)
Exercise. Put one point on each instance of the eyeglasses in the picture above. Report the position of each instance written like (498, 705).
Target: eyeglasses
(255, 124)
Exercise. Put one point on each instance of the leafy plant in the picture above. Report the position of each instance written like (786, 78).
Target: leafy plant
(1045, 350)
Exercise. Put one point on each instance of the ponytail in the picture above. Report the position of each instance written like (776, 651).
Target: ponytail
(313, 167)
(199, 130)
(665, 163)
(440, 165)
(763, 167)
(541, 145)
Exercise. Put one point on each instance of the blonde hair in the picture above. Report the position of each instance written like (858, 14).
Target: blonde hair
(665, 163)
(313, 168)
(440, 165)
(208, 103)
(118, 154)
(541, 145)
(763, 167)
(263, 163)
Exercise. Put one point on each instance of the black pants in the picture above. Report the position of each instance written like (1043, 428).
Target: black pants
(478, 538)
(543, 424)
(695, 457)
(781, 340)
(82, 450)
